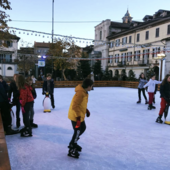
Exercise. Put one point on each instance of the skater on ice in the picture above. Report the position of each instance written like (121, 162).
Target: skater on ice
(15, 101)
(29, 81)
(26, 100)
(142, 82)
(77, 111)
(48, 86)
(165, 97)
(151, 89)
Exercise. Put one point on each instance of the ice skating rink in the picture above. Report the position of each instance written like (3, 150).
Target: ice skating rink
(120, 135)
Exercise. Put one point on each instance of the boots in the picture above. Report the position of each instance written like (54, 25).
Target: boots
(139, 101)
(146, 102)
(33, 125)
(153, 107)
(73, 152)
(26, 132)
(10, 131)
(78, 147)
(149, 107)
(158, 120)
(18, 123)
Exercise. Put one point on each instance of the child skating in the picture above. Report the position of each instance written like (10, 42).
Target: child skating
(77, 111)
(142, 82)
(165, 96)
(151, 89)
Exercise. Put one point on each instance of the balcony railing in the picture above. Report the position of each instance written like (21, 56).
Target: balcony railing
(143, 62)
(121, 63)
(8, 61)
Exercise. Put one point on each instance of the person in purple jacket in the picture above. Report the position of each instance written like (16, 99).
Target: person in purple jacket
(142, 82)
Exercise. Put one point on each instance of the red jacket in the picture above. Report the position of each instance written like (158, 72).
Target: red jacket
(26, 95)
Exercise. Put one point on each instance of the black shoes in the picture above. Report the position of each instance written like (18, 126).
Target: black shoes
(139, 101)
(53, 106)
(33, 125)
(26, 132)
(158, 120)
(73, 153)
(18, 123)
(146, 102)
(78, 147)
(10, 131)
(150, 107)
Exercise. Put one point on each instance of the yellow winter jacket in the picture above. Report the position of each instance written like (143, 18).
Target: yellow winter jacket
(78, 104)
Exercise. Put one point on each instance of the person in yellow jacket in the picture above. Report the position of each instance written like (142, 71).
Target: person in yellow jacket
(77, 111)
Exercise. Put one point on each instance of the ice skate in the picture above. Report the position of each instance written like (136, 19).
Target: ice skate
(33, 125)
(78, 147)
(146, 102)
(73, 153)
(138, 101)
(26, 132)
(153, 107)
(158, 120)
(150, 107)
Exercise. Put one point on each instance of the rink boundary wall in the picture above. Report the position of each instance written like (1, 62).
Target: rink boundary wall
(4, 157)
(66, 84)
(58, 84)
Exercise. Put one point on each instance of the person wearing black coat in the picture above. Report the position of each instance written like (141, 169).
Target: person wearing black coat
(15, 101)
(165, 96)
(5, 112)
(48, 86)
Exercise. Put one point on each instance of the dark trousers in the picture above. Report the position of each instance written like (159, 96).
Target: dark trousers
(6, 115)
(77, 132)
(151, 96)
(26, 116)
(18, 108)
(32, 112)
(52, 99)
(139, 93)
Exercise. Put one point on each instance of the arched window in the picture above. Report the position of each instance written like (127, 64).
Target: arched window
(9, 68)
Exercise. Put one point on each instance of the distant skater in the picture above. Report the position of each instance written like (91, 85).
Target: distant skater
(165, 96)
(142, 82)
(151, 89)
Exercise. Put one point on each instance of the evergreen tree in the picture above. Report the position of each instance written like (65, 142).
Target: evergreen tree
(84, 66)
(132, 76)
(97, 69)
(106, 75)
(149, 72)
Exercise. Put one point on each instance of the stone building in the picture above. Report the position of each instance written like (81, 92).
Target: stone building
(8, 54)
(136, 47)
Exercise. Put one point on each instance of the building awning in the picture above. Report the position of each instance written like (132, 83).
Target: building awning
(123, 49)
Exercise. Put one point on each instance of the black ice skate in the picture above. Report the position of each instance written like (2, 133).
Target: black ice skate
(153, 107)
(158, 120)
(73, 153)
(139, 101)
(78, 147)
(26, 132)
(150, 107)
(146, 102)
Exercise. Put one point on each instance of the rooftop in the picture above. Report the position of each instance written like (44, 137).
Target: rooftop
(41, 44)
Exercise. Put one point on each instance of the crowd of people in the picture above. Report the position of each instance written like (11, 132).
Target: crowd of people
(151, 87)
(23, 91)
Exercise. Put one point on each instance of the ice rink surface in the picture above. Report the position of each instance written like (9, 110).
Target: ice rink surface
(120, 135)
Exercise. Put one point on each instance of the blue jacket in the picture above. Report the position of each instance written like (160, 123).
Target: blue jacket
(3, 94)
(142, 83)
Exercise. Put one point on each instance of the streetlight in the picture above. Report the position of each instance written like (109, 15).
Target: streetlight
(160, 57)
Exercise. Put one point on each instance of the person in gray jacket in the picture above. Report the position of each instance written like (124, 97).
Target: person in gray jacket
(142, 82)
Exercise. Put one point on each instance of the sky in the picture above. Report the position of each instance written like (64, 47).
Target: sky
(75, 10)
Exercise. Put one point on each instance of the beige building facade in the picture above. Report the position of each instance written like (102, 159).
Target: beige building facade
(136, 48)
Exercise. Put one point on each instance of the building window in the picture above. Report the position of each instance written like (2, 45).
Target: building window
(0, 42)
(116, 58)
(168, 29)
(111, 44)
(9, 43)
(118, 42)
(147, 35)
(124, 40)
(130, 39)
(157, 32)
(137, 56)
(155, 51)
(39, 51)
(100, 35)
(138, 37)
(129, 56)
(9, 68)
